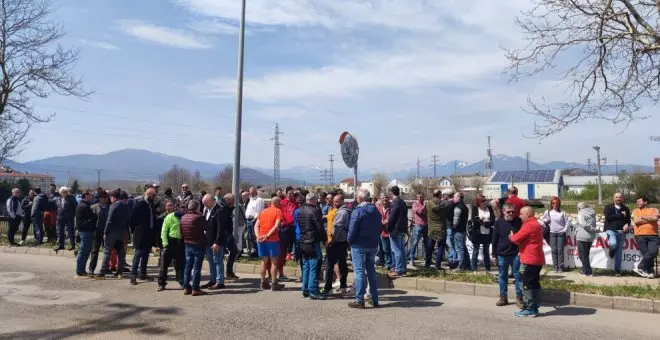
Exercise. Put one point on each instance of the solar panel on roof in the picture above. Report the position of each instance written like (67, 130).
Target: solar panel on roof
(534, 176)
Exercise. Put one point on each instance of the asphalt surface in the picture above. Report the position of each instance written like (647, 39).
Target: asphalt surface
(41, 299)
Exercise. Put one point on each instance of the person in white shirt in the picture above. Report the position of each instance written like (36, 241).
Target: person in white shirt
(15, 211)
(254, 207)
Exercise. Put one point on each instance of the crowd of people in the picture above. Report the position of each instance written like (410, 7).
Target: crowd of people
(298, 225)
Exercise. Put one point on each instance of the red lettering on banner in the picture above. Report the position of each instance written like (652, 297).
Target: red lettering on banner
(569, 241)
(631, 244)
(600, 243)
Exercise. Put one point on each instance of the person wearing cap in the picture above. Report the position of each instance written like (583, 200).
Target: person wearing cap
(311, 236)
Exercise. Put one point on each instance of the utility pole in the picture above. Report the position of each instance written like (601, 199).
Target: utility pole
(236, 176)
(276, 154)
(98, 178)
(589, 164)
(616, 167)
(324, 176)
(435, 166)
(68, 178)
(600, 185)
(527, 155)
(332, 170)
(418, 170)
(489, 163)
(455, 168)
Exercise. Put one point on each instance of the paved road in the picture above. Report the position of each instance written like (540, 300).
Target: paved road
(40, 299)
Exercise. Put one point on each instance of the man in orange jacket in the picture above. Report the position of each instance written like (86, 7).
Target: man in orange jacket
(530, 243)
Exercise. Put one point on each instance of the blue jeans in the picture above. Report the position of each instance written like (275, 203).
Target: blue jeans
(86, 239)
(61, 226)
(194, 260)
(363, 267)
(430, 244)
(398, 244)
(459, 238)
(504, 262)
(419, 233)
(140, 260)
(616, 240)
(310, 277)
(216, 265)
(452, 257)
(38, 222)
(475, 255)
(385, 252)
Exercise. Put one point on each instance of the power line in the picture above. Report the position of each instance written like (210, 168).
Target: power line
(435, 166)
(418, 171)
(527, 156)
(332, 170)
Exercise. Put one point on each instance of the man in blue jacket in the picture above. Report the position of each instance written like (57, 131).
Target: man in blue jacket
(363, 236)
(397, 226)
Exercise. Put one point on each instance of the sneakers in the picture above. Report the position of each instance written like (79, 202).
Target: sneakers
(283, 278)
(199, 293)
(341, 291)
(231, 276)
(356, 305)
(371, 303)
(326, 291)
(640, 272)
(276, 287)
(22, 242)
(336, 284)
(306, 295)
(316, 297)
(160, 288)
(81, 275)
(503, 301)
(526, 313)
(265, 285)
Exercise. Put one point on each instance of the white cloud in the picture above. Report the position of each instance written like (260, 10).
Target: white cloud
(162, 35)
(99, 44)
(213, 27)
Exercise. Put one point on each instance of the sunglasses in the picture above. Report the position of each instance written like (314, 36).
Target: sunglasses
(509, 212)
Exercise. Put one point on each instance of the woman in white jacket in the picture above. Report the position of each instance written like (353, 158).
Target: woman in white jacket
(585, 235)
(558, 222)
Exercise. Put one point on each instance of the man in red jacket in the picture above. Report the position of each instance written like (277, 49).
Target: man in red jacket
(530, 243)
(287, 231)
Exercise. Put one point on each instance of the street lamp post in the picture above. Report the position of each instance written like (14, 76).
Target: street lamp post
(600, 181)
(236, 180)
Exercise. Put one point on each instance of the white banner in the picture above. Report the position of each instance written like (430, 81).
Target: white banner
(599, 252)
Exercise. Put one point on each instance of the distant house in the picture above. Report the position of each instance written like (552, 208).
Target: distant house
(36, 180)
(404, 187)
(347, 185)
(575, 184)
(533, 184)
(369, 186)
(445, 183)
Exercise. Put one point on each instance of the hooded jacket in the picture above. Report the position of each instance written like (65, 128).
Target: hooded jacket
(340, 224)
(586, 225)
(436, 214)
(364, 227)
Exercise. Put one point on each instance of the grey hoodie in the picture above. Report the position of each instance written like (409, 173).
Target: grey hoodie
(340, 224)
(586, 225)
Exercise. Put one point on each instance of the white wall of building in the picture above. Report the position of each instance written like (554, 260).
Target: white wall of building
(541, 190)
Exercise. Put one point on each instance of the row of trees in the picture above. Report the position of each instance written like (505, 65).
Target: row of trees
(427, 185)
(630, 185)
(177, 176)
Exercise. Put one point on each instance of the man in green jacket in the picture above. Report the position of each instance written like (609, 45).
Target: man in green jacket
(436, 214)
(173, 247)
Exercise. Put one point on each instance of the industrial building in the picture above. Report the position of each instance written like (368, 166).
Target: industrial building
(533, 184)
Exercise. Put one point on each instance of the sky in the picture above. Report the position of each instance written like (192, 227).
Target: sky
(408, 78)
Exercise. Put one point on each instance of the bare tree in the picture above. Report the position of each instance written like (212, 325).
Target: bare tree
(174, 177)
(12, 137)
(380, 181)
(458, 182)
(224, 178)
(477, 182)
(32, 65)
(616, 72)
(196, 183)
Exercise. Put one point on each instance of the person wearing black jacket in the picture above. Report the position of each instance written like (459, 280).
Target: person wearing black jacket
(459, 230)
(100, 209)
(86, 225)
(66, 213)
(617, 224)
(397, 227)
(311, 236)
(482, 219)
(507, 253)
(114, 232)
(143, 223)
(219, 227)
(26, 204)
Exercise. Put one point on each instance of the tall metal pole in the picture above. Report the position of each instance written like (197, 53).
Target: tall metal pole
(600, 186)
(236, 180)
(355, 182)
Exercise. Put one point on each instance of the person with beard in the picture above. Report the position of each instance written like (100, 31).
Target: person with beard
(506, 253)
(142, 225)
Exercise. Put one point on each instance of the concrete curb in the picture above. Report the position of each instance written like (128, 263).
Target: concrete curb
(548, 297)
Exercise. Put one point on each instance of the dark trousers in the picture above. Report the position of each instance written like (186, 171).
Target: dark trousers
(233, 255)
(584, 248)
(430, 245)
(14, 223)
(26, 227)
(38, 222)
(96, 249)
(531, 280)
(648, 246)
(119, 247)
(174, 251)
(67, 225)
(251, 239)
(285, 238)
(140, 260)
(336, 254)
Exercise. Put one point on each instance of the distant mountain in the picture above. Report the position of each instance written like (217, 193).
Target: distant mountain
(141, 166)
(128, 164)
